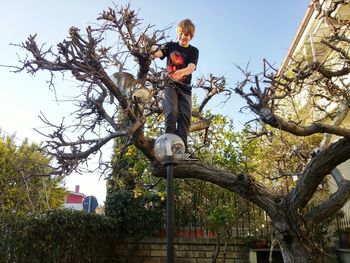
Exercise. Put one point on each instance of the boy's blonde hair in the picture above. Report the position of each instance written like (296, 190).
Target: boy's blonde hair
(186, 26)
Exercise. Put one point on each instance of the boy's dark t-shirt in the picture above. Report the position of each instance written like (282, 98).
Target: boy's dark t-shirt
(179, 57)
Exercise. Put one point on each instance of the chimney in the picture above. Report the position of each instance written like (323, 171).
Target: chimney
(76, 189)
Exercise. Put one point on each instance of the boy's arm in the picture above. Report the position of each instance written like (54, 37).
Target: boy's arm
(157, 54)
(181, 73)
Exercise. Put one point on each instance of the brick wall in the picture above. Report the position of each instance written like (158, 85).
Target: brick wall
(186, 250)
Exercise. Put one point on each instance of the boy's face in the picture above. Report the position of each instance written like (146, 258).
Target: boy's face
(183, 38)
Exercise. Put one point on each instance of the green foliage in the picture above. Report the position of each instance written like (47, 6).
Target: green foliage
(220, 217)
(25, 182)
(140, 213)
(279, 160)
(131, 167)
(57, 236)
(223, 147)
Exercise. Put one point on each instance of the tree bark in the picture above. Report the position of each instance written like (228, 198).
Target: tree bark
(296, 244)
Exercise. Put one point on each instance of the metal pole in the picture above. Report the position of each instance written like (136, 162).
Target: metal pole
(89, 209)
(170, 214)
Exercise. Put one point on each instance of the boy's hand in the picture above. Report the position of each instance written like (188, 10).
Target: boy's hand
(182, 73)
(178, 75)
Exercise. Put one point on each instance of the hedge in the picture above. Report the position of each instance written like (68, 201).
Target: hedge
(58, 236)
(140, 215)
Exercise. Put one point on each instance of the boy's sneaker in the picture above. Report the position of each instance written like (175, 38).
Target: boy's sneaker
(189, 157)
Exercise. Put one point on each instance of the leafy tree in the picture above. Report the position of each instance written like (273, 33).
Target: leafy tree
(277, 99)
(22, 187)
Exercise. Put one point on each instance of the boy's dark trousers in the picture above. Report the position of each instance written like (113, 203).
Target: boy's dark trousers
(177, 106)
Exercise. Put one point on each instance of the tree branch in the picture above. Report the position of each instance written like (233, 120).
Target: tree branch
(334, 203)
(244, 185)
(320, 166)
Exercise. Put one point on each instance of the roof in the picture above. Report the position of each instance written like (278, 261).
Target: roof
(313, 27)
(300, 32)
(75, 198)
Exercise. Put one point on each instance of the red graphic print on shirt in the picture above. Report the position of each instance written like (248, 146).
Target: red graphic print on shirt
(176, 62)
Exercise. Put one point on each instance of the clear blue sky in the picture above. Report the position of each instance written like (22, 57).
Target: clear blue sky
(228, 32)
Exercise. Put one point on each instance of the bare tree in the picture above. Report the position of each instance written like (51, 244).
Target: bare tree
(267, 96)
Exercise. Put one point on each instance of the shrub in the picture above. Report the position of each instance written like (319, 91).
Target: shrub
(57, 236)
(141, 214)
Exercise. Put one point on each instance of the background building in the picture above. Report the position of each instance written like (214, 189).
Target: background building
(74, 200)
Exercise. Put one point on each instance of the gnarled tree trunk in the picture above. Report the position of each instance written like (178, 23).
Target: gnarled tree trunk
(295, 241)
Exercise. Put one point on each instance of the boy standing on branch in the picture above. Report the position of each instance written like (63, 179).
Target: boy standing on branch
(182, 60)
